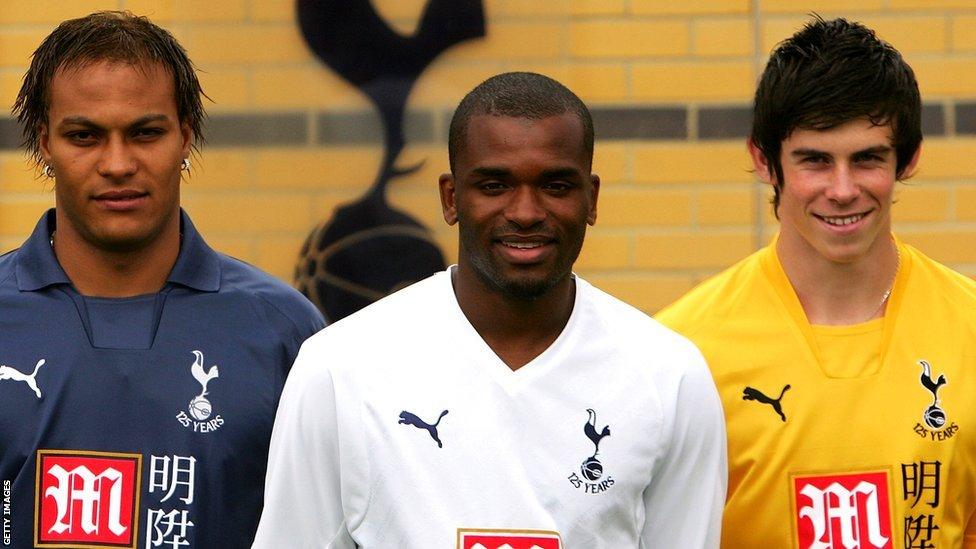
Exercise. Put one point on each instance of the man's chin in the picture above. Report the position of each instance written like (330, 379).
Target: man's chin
(528, 288)
(523, 284)
(121, 243)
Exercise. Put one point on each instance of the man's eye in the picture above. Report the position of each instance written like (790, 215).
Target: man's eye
(148, 132)
(492, 186)
(558, 186)
(82, 136)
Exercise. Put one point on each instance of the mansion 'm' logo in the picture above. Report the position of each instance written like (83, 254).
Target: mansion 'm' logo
(591, 468)
(86, 499)
(480, 538)
(198, 413)
(935, 423)
(843, 511)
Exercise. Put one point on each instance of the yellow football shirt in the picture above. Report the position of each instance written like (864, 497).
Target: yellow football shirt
(877, 453)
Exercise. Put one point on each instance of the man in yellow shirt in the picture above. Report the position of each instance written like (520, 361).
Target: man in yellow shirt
(846, 360)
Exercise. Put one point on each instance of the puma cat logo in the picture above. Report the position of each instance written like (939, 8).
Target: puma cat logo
(754, 394)
(406, 418)
(8, 372)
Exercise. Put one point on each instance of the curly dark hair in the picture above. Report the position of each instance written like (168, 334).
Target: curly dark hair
(830, 73)
(117, 36)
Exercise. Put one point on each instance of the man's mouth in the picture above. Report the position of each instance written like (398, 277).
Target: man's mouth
(520, 245)
(840, 221)
(524, 249)
(122, 200)
(120, 195)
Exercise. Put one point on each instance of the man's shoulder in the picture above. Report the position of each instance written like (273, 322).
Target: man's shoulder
(9, 285)
(247, 281)
(631, 326)
(710, 301)
(930, 275)
(8, 262)
(403, 315)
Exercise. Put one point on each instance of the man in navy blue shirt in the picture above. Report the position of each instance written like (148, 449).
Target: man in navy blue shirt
(139, 369)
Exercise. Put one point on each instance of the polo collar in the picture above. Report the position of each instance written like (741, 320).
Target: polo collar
(37, 266)
(197, 266)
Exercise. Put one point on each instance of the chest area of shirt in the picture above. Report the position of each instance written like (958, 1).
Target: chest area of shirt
(917, 393)
(543, 465)
(146, 438)
(193, 399)
(873, 460)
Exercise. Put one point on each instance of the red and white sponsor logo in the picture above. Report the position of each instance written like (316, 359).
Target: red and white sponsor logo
(507, 539)
(86, 499)
(843, 511)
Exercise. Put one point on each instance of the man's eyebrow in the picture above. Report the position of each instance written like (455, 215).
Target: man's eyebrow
(877, 149)
(142, 120)
(808, 152)
(89, 123)
(78, 121)
(560, 173)
(490, 171)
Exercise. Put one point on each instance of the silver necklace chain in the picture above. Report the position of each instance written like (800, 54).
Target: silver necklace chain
(887, 294)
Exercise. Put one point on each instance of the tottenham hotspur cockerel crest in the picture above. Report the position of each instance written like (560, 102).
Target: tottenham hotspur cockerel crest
(935, 424)
(199, 413)
(591, 470)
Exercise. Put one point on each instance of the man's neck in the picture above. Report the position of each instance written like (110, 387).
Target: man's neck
(841, 294)
(96, 272)
(517, 330)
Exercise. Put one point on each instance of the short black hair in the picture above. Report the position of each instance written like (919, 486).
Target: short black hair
(117, 36)
(830, 73)
(519, 95)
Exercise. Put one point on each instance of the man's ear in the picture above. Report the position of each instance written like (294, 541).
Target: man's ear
(760, 164)
(909, 170)
(448, 193)
(187, 135)
(43, 143)
(594, 195)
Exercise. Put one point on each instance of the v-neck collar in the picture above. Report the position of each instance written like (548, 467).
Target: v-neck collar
(773, 269)
(512, 381)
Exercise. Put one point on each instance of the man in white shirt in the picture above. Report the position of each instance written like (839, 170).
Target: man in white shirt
(505, 400)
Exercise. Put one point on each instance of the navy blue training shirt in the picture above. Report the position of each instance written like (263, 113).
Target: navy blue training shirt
(143, 421)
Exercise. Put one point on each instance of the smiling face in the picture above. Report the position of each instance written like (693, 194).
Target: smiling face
(836, 193)
(522, 195)
(115, 142)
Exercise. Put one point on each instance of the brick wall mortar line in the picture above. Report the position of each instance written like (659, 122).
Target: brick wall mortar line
(949, 36)
(922, 227)
(311, 122)
(949, 115)
(685, 230)
(952, 201)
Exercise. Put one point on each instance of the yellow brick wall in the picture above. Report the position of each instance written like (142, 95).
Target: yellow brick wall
(671, 211)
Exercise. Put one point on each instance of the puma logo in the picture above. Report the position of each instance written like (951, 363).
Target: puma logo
(754, 394)
(406, 418)
(8, 372)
